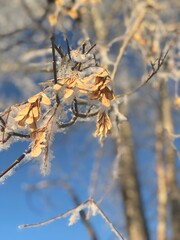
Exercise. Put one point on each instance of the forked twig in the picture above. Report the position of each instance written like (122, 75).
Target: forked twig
(73, 195)
(89, 204)
(155, 69)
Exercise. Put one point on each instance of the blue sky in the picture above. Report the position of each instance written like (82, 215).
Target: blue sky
(20, 206)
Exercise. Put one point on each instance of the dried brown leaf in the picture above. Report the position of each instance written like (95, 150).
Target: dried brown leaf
(68, 93)
(34, 98)
(103, 125)
(38, 136)
(105, 101)
(45, 100)
(23, 112)
(57, 87)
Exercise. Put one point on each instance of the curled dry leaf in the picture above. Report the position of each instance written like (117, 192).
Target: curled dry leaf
(94, 85)
(57, 87)
(34, 98)
(39, 137)
(71, 84)
(42, 97)
(103, 124)
(30, 113)
(101, 91)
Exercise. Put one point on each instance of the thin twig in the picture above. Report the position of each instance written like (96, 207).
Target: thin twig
(59, 216)
(68, 124)
(93, 46)
(82, 115)
(16, 162)
(59, 50)
(128, 37)
(60, 183)
(103, 215)
(86, 204)
(155, 69)
(54, 59)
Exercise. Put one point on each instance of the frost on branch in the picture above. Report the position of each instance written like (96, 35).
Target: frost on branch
(93, 209)
(80, 90)
(81, 87)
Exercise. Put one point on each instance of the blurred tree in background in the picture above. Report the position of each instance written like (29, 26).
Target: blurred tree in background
(139, 160)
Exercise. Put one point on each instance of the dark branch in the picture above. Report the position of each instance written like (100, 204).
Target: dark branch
(68, 124)
(54, 59)
(2, 121)
(9, 135)
(82, 115)
(59, 50)
(16, 162)
(155, 68)
(93, 46)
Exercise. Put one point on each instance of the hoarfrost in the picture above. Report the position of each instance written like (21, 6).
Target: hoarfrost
(89, 71)
(79, 57)
(74, 218)
(26, 157)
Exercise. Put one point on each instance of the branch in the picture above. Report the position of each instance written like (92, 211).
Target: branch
(75, 199)
(68, 124)
(112, 227)
(83, 115)
(16, 162)
(54, 59)
(9, 135)
(59, 216)
(155, 69)
(128, 36)
(90, 204)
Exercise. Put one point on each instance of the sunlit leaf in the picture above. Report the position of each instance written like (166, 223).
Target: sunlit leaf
(34, 98)
(45, 100)
(35, 112)
(68, 93)
(23, 112)
(29, 120)
(38, 136)
(103, 125)
(105, 101)
(56, 87)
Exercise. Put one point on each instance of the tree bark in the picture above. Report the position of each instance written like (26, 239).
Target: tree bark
(161, 182)
(170, 157)
(135, 220)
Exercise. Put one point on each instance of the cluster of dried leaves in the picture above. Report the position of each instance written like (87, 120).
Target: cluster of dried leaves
(79, 83)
